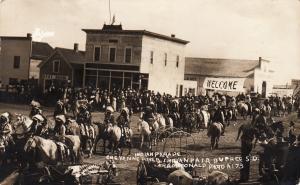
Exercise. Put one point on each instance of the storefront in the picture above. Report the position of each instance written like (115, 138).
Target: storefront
(109, 76)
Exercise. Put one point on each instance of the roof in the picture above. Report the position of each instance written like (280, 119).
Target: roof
(217, 67)
(14, 38)
(117, 29)
(69, 55)
(41, 50)
(72, 56)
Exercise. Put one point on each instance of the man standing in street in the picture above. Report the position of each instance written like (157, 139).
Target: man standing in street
(248, 134)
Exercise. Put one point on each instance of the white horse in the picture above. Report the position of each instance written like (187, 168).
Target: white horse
(161, 121)
(115, 133)
(145, 130)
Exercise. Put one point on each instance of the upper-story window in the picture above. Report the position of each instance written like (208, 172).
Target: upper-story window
(151, 57)
(128, 55)
(17, 60)
(166, 59)
(97, 53)
(112, 54)
(177, 61)
(113, 41)
(56, 66)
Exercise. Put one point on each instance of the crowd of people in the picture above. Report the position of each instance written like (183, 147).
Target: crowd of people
(181, 110)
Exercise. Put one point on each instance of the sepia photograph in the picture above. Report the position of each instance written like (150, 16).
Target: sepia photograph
(149, 92)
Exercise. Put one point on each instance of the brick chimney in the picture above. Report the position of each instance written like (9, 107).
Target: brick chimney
(76, 47)
(259, 60)
(29, 35)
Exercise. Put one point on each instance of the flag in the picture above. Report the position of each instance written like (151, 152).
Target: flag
(113, 20)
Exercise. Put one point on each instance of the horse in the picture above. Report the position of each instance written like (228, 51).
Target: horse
(203, 118)
(189, 121)
(175, 118)
(145, 131)
(214, 132)
(49, 151)
(115, 134)
(244, 109)
(87, 134)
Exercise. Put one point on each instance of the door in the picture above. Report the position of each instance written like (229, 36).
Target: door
(180, 90)
(264, 89)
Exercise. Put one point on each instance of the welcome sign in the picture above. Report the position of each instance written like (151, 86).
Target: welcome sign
(224, 84)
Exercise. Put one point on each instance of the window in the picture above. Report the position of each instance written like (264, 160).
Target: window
(97, 51)
(166, 57)
(56, 66)
(13, 81)
(16, 62)
(113, 41)
(112, 54)
(151, 57)
(177, 61)
(128, 55)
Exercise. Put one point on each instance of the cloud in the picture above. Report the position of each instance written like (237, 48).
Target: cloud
(39, 34)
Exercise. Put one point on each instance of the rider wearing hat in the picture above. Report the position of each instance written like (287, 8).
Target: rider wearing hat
(123, 120)
(60, 108)
(219, 117)
(108, 116)
(232, 107)
(147, 114)
(35, 108)
(60, 128)
(39, 126)
(5, 128)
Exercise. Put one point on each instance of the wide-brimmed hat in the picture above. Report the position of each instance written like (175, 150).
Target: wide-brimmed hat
(60, 118)
(38, 117)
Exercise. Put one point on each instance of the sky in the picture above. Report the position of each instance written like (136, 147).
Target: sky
(237, 29)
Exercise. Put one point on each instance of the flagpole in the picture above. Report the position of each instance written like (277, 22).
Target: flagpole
(109, 12)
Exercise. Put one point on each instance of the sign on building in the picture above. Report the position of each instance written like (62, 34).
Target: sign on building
(224, 84)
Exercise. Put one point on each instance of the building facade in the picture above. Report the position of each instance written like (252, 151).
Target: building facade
(117, 58)
(15, 59)
(63, 67)
(19, 57)
(257, 74)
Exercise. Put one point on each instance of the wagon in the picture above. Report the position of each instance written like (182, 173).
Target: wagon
(70, 174)
(157, 168)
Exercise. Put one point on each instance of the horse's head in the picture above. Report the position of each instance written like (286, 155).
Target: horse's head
(30, 144)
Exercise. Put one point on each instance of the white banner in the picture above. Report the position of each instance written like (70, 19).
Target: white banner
(224, 84)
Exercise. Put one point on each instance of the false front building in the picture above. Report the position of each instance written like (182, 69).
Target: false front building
(117, 58)
(230, 76)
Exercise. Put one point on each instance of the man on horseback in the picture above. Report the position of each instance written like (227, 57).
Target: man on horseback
(84, 120)
(60, 108)
(147, 114)
(232, 107)
(6, 129)
(39, 126)
(35, 108)
(123, 122)
(59, 133)
(219, 117)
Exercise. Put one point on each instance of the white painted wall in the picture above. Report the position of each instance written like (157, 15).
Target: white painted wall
(163, 78)
(263, 74)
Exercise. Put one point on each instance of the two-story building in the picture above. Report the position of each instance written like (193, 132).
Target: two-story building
(117, 58)
(255, 75)
(19, 57)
